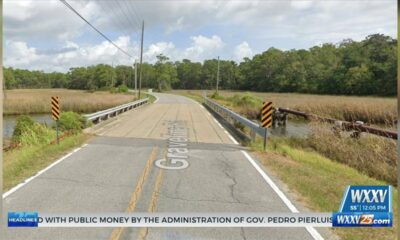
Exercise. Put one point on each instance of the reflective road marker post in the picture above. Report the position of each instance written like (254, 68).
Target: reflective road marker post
(266, 119)
(55, 112)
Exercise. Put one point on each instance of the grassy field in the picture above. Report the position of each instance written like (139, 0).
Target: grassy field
(26, 101)
(22, 163)
(372, 110)
(319, 183)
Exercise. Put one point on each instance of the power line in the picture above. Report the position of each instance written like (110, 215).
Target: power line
(122, 9)
(98, 31)
(124, 26)
(106, 8)
(132, 10)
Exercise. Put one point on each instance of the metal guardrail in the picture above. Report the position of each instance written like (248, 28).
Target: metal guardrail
(223, 110)
(111, 112)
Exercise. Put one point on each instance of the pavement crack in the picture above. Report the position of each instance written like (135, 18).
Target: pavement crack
(85, 182)
(226, 171)
(242, 233)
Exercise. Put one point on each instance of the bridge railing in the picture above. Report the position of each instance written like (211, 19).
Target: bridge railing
(111, 112)
(254, 127)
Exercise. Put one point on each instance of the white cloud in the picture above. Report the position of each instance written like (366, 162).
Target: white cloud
(165, 48)
(44, 20)
(203, 47)
(241, 51)
(177, 26)
(52, 37)
(20, 55)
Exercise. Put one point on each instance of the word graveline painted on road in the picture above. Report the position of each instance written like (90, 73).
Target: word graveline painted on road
(177, 152)
(365, 206)
(55, 108)
(266, 115)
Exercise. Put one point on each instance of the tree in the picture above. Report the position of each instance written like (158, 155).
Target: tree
(165, 72)
(367, 67)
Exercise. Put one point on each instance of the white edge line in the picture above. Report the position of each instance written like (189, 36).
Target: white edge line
(154, 96)
(215, 120)
(14, 189)
(226, 132)
(282, 196)
(232, 138)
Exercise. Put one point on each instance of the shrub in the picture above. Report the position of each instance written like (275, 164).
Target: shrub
(29, 132)
(122, 88)
(246, 100)
(71, 121)
(23, 123)
(216, 96)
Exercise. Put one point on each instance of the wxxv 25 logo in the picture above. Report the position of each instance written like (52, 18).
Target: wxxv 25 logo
(365, 206)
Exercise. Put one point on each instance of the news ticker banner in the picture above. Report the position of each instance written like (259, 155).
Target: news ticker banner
(362, 206)
(33, 219)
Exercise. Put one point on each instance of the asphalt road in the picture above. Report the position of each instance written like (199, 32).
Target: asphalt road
(126, 168)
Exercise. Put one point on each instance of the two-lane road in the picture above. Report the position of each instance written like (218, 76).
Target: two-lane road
(170, 156)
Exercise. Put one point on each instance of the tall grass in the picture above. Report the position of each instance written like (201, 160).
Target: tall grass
(28, 101)
(35, 149)
(21, 163)
(372, 155)
(372, 110)
(319, 183)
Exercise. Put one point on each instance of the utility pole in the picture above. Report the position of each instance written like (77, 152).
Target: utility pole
(141, 61)
(112, 73)
(217, 75)
(136, 93)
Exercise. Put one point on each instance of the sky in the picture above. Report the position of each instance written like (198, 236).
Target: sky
(46, 35)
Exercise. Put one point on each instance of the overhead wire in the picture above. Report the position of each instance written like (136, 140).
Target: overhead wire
(94, 28)
(134, 13)
(138, 14)
(122, 25)
(127, 16)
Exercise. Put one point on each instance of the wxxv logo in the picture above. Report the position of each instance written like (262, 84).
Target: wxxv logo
(365, 206)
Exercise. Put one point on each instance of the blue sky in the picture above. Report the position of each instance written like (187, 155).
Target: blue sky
(45, 35)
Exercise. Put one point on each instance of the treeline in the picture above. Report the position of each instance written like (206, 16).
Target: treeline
(367, 67)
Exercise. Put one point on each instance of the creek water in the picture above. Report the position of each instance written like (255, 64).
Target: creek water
(297, 128)
(9, 122)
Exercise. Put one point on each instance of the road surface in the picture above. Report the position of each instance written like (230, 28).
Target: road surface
(126, 168)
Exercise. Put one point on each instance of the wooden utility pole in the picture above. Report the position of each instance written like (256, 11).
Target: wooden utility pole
(136, 93)
(141, 61)
(217, 75)
(112, 73)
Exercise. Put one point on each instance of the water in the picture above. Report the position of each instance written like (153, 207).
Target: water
(9, 122)
(293, 129)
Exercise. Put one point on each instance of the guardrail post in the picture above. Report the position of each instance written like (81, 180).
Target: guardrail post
(265, 138)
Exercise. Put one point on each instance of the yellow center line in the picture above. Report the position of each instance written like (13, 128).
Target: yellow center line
(153, 204)
(117, 232)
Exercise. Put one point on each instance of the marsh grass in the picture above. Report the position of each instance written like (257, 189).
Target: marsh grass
(372, 155)
(319, 183)
(29, 101)
(372, 110)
